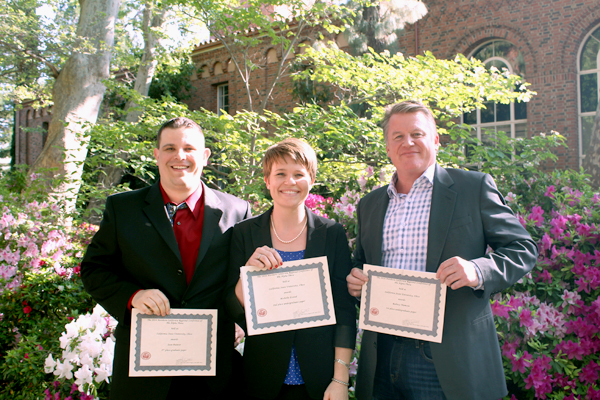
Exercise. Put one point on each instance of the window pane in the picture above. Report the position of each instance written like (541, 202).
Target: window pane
(222, 99)
(487, 114)
(520, 110)
(485, 52)
(520, 130)
(502, 112)
(587, 124)
(589, 92)
(470, 118)
(504, 128)
(589, 55)
(503, 49)
(496, 63)
(487, 136)
(596, 34)
(518, 64)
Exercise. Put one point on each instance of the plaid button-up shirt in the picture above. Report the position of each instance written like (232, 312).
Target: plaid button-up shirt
(406, 224)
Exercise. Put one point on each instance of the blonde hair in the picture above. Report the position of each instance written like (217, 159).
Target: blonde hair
(296, 149)
(404, 107)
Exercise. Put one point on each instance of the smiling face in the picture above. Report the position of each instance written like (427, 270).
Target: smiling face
(412, 144)
(180, 157)
(289, 183)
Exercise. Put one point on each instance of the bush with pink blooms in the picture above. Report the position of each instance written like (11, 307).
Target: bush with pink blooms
(549, 322)
(40, 290)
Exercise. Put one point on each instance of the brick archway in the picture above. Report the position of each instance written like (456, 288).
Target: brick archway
(476, 36)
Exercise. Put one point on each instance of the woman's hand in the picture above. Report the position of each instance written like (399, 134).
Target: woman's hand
(265, 257)
(336, 391)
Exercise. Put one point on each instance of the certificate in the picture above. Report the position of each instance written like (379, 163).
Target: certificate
(295, 295)
(403, 303)
(183, 343)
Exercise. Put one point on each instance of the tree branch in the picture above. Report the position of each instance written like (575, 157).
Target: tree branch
(55, 71)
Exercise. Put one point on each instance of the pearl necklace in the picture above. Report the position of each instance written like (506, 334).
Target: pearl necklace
(288, 241)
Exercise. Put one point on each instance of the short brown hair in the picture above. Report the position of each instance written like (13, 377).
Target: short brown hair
(176, 123)
(404, 107)
(296, 149)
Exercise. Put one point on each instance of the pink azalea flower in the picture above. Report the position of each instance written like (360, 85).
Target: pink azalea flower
(570, 349)
(515, 302)
(592, 394)
(589, 373)
(525, 318)
(500, 310)
(537, 215)
(557, 232)
(521, 363)
(539, 377)
(544, 276)
(546, 242)
(509, 349)
(551, 189)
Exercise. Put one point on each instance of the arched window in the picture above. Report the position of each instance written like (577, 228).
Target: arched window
(509, 118)
(588, 71)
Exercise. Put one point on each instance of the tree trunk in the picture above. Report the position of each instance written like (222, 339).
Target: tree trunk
(152, 21)
(591, 162)
(77, 95)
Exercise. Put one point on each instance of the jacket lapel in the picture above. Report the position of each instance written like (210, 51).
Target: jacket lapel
(212, 217)
(377, 220)
(442, 209)
(155, 211)
(316, 235)
(261, 230)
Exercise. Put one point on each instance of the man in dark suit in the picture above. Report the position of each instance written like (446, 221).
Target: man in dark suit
(442, 221)
(162, 247)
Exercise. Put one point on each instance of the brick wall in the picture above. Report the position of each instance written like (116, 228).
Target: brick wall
(31, 133)
(213, 58)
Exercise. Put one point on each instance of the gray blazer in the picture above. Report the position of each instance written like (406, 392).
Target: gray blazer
(467, 214)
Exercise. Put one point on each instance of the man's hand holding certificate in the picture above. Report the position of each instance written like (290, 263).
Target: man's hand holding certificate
(403, 303)
(294, 296)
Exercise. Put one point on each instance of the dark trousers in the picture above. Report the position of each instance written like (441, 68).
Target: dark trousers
(405, 370)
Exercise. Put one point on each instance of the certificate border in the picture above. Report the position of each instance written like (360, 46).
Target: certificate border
(325, 316)
(400, 328)
(173, 368)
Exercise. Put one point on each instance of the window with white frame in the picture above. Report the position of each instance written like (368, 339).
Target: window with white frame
(588, 71)
(509, 118)
(222, 99)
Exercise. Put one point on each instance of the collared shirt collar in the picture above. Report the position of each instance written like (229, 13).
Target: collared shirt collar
(191, 201)
(428, 174)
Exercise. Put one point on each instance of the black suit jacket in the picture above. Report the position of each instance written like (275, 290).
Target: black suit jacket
(467, 214)
(135, 248)
(266, 357)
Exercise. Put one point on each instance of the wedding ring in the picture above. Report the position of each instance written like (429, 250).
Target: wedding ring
(258, 257)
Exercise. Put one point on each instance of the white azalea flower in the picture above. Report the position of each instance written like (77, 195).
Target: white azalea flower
(63, 370)
(83, 375)
(102, 373)
(87, 360)
(49, 364)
